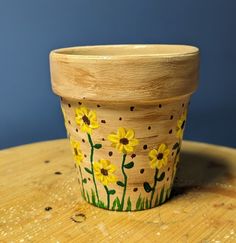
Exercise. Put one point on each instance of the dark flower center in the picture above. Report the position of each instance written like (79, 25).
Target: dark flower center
(86, 120)
(124, 141)
(160, 156)
(76, 152)
(182, 126)
(104, 172)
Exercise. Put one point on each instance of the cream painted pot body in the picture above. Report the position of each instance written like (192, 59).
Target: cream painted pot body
(125, 113)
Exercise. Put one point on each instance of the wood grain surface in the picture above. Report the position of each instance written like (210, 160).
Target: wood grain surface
(40, 200)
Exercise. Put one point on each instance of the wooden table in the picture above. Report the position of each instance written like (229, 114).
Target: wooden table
(40, 200)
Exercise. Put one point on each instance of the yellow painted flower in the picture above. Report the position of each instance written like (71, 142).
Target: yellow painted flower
(124, 140)
(180, 125)
(103, 170)
(77, 153)
(86, 119)
(159, 156)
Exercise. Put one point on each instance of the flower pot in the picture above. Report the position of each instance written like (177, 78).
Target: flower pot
(125, 109)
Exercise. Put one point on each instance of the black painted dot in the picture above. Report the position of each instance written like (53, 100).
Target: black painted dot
(79, 103)
(46, 161)
(167, 179)
(103, 139)
(168, 168)
(131, 108)
(141, 171)
(69, 105)
(183, 105)
(120, 118)
(85, 155)
(133, 156)
(83, 140)
(170, 131)
(171, 117)
(98, 106)
(160, 105)
(57, 173)
(89, 179)
(103, 121)
(149, 128)
(76, 130)
(110, 153)
(135, 189)
(69, 122)
(145, 146)
(172, 153)
(48, 208)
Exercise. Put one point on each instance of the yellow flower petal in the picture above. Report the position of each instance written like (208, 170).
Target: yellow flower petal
(133, 142)
(179, 128)
(111, 168)
(153, 153)
(179, 134)
(164, 161)
(128, 149)
(93, 124)
(96, 165)
(153, 163)
(119, 147)
(92, 115)
(104, 180)
(179, 123)
(104, 163)
(121, 132)
(113, 138)
(166, 152)
(85, 128)
(130, 134)
(112, 178)
(159, 164)
(161, 148)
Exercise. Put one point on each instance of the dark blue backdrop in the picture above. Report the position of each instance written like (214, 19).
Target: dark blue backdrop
(29, 29)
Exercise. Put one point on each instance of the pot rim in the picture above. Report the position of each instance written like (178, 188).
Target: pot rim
(126, 51)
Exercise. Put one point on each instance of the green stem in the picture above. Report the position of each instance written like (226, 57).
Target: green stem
(125, 181)
(82, 183)
(91, 161)
(108, 197)
(154, 187)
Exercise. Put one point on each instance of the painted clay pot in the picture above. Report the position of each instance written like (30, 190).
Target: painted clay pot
(125, 109)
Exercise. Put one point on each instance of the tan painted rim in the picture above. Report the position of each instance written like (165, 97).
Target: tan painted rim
(126, 51)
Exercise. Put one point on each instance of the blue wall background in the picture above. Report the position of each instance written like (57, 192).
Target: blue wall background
(29, 111)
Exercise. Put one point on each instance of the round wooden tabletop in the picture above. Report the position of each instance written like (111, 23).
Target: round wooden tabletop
(40, 200)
